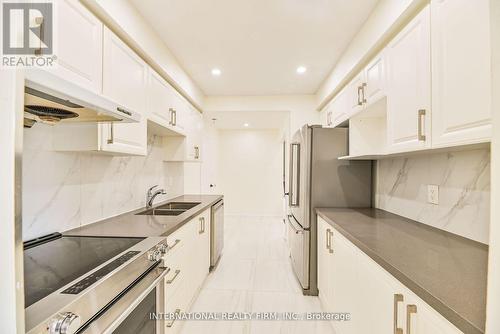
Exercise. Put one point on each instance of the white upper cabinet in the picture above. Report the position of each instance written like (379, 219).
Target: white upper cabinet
(374, 85)
(163, 104)
(461, 72)
(340, 107)
(159, 100)
(124, 81)
(355, 97)
(79, 41)
(409, 86)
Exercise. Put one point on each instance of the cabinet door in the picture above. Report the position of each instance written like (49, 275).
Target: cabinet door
(79, 52)
(124, 81)
(324, 265)
(160, 100)
(340, 107)
(408, 86)
(374, 88)
(423, 319)
(383, 300)
(344, 294)
(461, 72)
(193, 138)
(355, 97)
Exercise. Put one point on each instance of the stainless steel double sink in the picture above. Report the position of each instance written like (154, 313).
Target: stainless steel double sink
(169, 209)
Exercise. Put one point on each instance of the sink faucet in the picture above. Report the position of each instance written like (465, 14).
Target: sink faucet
(150, 197)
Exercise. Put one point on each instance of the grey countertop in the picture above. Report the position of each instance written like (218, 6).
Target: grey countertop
(131, 225)
(445, 270)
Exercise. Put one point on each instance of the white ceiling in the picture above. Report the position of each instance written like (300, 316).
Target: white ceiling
(257, 44)
(256, 120)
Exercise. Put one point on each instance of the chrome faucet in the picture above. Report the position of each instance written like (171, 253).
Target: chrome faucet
(150, 197)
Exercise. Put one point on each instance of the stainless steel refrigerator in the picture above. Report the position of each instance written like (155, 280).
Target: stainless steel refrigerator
(317, 178)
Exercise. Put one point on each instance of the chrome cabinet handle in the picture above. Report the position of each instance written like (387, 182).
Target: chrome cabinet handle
(329, 118)
(123, 111)
(177, 272)
(410, 309)
(327, 238)
(360, 102)
(202, 225)
(176, 242)
(330, 249)
(196, 152)
(173, 116)
(171, 323)
(111, 138)
(398, 298)
(421, 118)
(363, 86)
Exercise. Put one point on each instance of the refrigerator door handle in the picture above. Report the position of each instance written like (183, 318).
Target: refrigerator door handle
(294, 187)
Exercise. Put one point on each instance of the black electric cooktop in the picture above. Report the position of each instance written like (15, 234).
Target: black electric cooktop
(53, 261)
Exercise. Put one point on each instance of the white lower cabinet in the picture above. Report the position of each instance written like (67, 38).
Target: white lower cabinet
(188, 259)
(351, 282)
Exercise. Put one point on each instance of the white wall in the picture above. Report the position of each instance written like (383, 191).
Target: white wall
(250, 171)
(136, 31)
(387, 16)
(302, 108)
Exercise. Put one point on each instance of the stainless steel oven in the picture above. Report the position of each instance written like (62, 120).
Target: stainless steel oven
(94, 284)
(137, 311)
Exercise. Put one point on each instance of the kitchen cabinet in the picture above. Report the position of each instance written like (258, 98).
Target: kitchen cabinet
(124, 80)
(189, 147)
(350, 281)
(325, 254)
(340, 108)
(374, 86)
(461, 72)
(355, 96)
(409, 86)
(164, 106)
(188, 258)
(326, 115)
(79, 38)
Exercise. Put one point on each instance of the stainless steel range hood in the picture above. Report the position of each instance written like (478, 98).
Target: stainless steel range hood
(51, 100)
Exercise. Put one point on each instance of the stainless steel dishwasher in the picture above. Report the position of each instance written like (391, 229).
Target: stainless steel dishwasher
(216, 232)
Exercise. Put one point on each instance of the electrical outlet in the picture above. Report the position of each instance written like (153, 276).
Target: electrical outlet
(433, 194)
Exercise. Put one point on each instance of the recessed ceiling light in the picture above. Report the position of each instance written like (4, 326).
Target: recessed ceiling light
(246, 125)
(301, 69)
(216, 72)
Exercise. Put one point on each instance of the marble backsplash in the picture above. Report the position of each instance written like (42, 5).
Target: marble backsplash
(62, 191)
(464, 190)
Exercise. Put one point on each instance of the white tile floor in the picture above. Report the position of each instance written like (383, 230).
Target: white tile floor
(254, 275)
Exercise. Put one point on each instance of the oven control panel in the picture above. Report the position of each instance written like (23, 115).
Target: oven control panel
(98, 274)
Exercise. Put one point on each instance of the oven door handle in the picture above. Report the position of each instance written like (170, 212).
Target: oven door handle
(120, 308)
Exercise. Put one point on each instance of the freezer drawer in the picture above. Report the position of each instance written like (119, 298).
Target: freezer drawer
(298, 240)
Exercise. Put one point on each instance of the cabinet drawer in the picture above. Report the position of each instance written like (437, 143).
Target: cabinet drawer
(183, 236)
(177, 303)
(179, 268)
